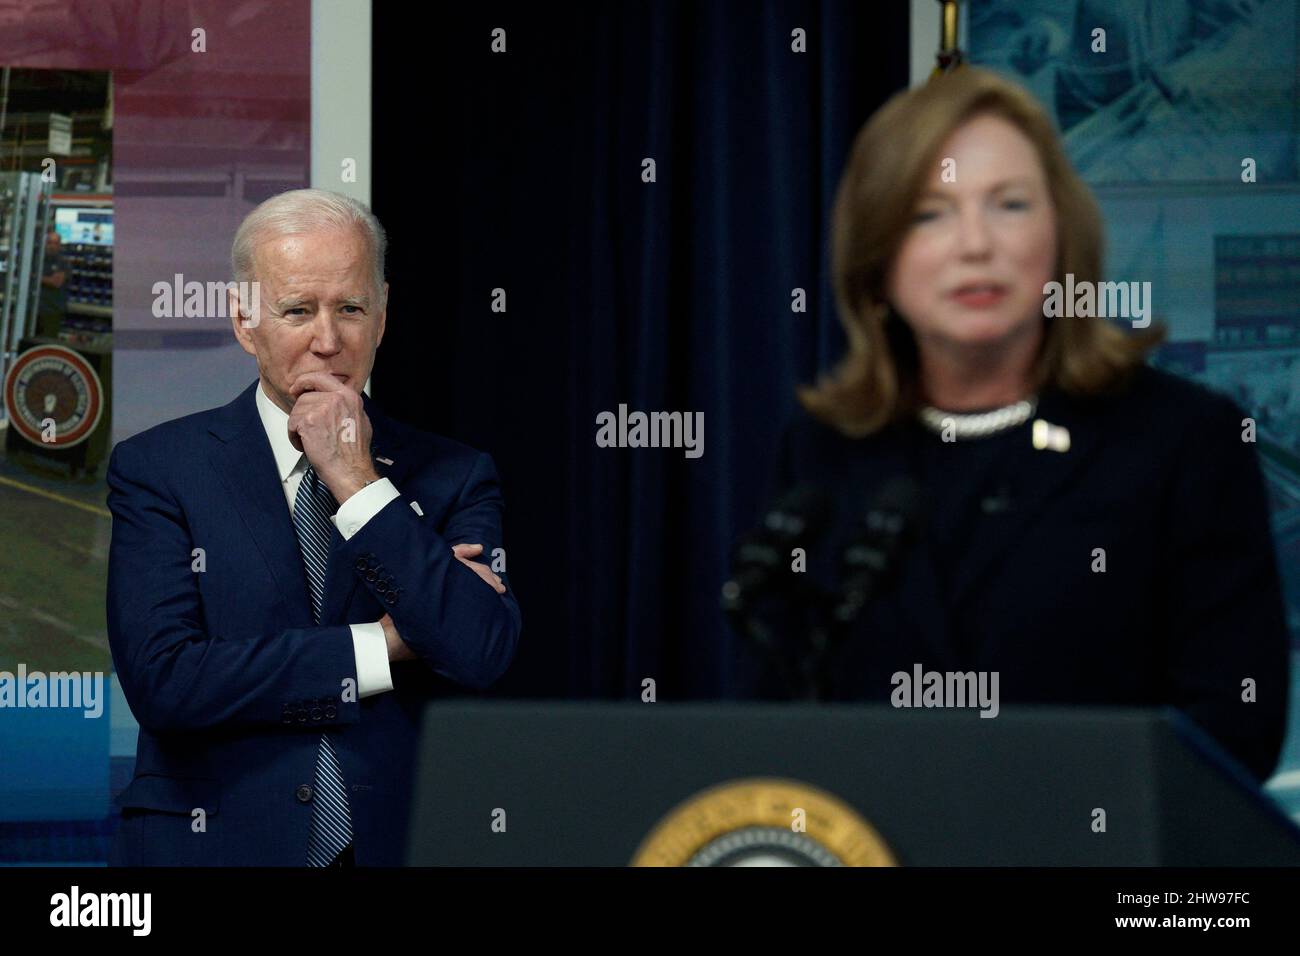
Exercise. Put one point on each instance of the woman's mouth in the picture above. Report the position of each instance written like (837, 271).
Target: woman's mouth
(979, 295)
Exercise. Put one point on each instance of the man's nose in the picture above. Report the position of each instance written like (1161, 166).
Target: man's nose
(327, 337)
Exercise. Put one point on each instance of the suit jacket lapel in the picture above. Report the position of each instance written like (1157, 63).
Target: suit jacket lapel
(386, 442)
(242, 457)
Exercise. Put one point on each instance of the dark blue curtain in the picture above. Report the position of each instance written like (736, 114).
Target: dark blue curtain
(522, 171)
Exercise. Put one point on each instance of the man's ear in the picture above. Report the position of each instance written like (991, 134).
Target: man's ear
(243, 334)
(383, 316)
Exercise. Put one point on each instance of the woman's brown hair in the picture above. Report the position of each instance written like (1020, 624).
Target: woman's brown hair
(891, 158)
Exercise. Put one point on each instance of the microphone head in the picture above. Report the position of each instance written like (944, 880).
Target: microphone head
(872, 556)
(801, 512)
(896, 507)
(760, 559)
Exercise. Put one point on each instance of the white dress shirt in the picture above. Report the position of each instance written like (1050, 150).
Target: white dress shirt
(368, 642)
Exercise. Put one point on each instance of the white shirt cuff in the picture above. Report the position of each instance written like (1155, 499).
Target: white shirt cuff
(361, 507)
(370, 648)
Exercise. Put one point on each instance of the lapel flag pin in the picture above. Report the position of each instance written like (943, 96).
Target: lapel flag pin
(415, 506)
(1049, 436)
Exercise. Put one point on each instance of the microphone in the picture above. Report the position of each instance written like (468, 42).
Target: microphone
(872, 556)
(761, 557)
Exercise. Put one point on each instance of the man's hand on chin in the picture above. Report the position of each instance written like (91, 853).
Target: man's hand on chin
(329, 423)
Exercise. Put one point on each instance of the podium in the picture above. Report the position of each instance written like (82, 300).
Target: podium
(602, 784)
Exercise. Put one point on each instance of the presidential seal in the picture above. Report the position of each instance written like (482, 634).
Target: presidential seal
(764, 822)
(53, 384)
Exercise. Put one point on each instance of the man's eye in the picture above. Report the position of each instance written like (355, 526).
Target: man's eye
(1015, 204)
(925, 215)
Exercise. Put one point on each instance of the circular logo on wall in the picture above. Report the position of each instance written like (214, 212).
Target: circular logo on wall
(52, 382)
(764, 822)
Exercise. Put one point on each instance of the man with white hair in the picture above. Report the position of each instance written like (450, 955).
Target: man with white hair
(292, 575)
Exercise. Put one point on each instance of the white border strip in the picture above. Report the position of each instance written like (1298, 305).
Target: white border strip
(924, 39)
(340, 94)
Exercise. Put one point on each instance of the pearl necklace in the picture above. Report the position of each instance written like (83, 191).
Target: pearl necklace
(977, 424)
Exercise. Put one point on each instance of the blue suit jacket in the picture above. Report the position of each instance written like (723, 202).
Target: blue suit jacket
(229, 678)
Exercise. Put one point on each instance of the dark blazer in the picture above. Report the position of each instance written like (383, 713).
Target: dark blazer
(1189, 605)
(229, 678)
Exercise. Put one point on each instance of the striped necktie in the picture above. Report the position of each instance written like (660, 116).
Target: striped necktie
(331, 821)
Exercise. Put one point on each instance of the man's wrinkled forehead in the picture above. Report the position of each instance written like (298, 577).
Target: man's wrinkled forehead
(324, 254)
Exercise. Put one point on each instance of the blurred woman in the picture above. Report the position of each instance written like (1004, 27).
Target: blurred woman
(1093, 530)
